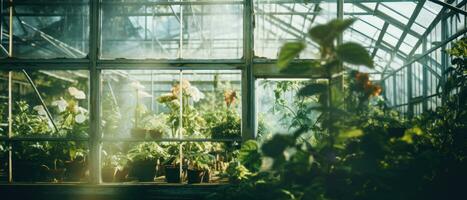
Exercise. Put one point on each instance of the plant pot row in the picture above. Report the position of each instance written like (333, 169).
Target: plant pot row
(148, 171)
(29, 171)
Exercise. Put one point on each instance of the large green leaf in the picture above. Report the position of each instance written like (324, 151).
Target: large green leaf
(288, 52)
(312, 89)
(325, 34)
(354, 53)
(249, 155)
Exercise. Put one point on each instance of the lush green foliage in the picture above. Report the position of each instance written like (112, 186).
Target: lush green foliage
(146, 151)
(359, 149)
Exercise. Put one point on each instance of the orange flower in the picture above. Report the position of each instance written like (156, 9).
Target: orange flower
(376, 90)
(367, 86)
(176, 88)
(361, 77)
(229, 97)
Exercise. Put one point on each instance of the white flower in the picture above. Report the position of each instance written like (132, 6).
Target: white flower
(289, 152)
(195, 93)
(62, 104)
(266, 163)
(78, 94)
(81, 110)
(80, 118)
(137, 85)
(40, 110)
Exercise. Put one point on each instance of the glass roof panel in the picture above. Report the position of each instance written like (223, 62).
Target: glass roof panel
(390, 39)
(417, 28)
(410, 39)
(394, 31)
(404, 8)
(432, 7)
(350, 8)
(405, 48)
(278, 22)
(393, 14)
(370, 5)
(363, 27)
(425, 17)
(372, 20)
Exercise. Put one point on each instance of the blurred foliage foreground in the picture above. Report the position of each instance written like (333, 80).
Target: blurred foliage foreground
(357, 149)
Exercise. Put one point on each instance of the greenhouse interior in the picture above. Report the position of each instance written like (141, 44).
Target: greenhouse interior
(233, 99)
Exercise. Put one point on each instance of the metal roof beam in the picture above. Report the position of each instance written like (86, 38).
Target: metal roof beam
(383, 16)
(453, 8)
(433, 24)
(380, 38)
(406, 30)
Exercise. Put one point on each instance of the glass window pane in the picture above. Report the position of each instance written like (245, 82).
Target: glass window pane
(220, 109)
(279, 110)
(65, 95)
(277, 23)
(50, 29)
(145, 104)
(152, 30)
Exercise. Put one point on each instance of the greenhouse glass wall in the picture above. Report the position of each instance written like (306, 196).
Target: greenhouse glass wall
(192, 95)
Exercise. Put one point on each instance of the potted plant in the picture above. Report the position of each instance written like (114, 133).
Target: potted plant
(76, 167)
(199, 167)
(108, 169)
(114, 167)
(143, 160)
(191, 119)
(228, 128)
(156, 125)
(57, 173)
(173, 173)
(229, 124)
(30, 162)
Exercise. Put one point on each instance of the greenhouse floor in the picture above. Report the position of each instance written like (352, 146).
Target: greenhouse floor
(108, 191)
